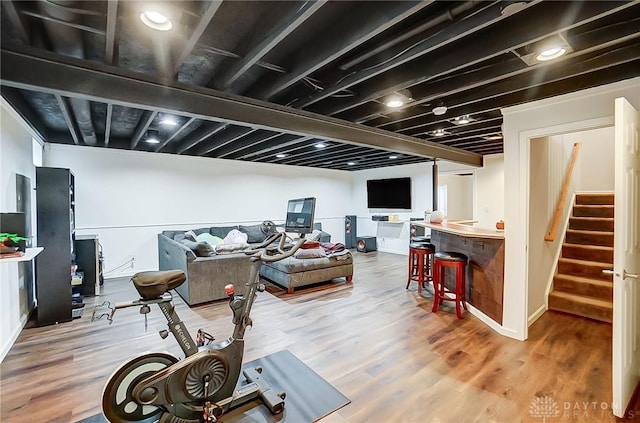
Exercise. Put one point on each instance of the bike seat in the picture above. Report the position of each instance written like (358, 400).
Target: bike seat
(151, 285)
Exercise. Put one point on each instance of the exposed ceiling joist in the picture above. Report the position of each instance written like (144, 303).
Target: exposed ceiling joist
(413, 49)
(200, 135)
(107, 125)
(208, 14)
(55, 74)
(65, 107)
(281, 30)
(179, 131)
(16, 20)
(143, 124)
(268, 146)
(110, 38)
(254, 138)
(351, 32)
(527, 27)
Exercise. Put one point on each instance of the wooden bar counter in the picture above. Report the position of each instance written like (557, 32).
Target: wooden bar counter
(485, 270)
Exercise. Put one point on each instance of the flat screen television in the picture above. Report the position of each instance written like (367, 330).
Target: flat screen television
(300, 214)
(394, 193)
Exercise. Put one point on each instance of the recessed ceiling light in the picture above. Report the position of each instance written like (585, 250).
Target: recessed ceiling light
(493, 137)
(398, 99)
(281, 155)
(320, 145)
(351, 163)
(550, 53)
(393, 157)
(169, 121)
(439, 132)
(152, 137)
(462, 120)
(156, 20)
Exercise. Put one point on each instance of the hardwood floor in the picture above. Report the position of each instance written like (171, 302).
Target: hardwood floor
(376, 342)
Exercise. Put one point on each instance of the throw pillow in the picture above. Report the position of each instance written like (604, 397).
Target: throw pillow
(310, 253)
(254, 233)
(191, 234)
(221, 231)
(210, 239)
(235, 237)
(200, 249)
(230, 248)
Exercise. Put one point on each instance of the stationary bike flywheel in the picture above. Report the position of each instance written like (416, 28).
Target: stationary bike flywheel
(118, 405)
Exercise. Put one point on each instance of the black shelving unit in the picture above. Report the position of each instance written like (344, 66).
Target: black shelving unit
(55, 210)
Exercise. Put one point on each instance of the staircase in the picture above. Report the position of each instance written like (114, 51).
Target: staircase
(579, 286)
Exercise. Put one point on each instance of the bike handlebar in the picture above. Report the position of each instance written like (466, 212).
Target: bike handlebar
(259, 252)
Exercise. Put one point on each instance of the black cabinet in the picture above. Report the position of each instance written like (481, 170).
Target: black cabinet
(55, 204)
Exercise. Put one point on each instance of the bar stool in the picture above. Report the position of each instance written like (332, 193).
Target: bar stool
(441, 261)
(420, 263)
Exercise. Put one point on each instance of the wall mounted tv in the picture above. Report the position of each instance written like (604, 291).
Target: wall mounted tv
(392, 193)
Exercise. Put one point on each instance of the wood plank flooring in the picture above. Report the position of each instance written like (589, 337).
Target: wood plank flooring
(376, 342)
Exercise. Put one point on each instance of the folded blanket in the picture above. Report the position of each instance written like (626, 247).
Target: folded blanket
(330, 247)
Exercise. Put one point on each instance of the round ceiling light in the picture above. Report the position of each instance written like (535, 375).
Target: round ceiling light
(440, 110)
(156, 20)
(439, 132)
(394, 102)
(351, 163)
(152, 137)
(169, 121)
(393, 157)
(320, 145)
(281, 155)
(462, 120)
(550, 53)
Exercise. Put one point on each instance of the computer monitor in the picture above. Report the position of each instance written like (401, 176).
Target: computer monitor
(300, 213)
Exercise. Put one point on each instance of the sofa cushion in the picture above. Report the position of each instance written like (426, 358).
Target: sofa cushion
(254, 233)
(221, 231)
(230, 248)
(184, 235)
(200, 249)
(208, 238)
(310, 253)
(200, 230)
(295, 265)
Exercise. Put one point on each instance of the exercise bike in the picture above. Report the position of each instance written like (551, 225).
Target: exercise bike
(158, 387)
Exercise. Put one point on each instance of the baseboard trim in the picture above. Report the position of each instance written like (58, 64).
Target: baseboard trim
(538, 313)
(510, 333)
(14, 336)
(387, 250)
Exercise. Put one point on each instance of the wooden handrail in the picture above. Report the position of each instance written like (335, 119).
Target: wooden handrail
(555, 221)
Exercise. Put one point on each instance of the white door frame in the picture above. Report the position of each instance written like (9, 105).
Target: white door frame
(525, 139)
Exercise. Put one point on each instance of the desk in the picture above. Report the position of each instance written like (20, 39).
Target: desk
(29, 254)
(485, 272)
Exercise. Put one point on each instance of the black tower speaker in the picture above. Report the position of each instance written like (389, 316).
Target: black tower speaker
(366, 244)
(350, 231)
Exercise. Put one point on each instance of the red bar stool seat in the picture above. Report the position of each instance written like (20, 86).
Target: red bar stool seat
(441, 261)
(420, 263)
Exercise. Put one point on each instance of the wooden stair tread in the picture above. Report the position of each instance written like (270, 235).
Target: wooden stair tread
(595, 206)
(582, 279)
(588, 246)
(584, 262)
(583, 300)
(585, 232)
(593, 218)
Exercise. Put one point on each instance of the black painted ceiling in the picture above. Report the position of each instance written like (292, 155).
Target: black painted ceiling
(251, 80)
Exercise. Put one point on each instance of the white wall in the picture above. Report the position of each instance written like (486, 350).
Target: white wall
(127, 198)
(15, 158)
(459, 196)
(488, 202)
(596, 163)
(392, 237)
(583, 110)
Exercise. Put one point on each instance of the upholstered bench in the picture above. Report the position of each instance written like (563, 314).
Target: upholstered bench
(292, 273)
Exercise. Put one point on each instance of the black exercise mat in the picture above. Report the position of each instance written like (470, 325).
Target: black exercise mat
(309, 396)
